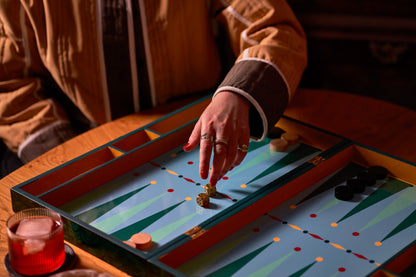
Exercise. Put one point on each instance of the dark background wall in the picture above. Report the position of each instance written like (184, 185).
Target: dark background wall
(365, 47)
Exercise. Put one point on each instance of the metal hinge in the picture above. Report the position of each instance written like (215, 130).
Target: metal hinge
(195, 232)
(316, 160)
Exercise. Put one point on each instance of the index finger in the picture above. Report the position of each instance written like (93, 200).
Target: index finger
(194, 138)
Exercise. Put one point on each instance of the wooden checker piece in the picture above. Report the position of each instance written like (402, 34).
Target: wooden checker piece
(278, 145)
(142, 241)
(291, 138)
(378, 171)
(356, 185)
(368, 178)
(343, 193)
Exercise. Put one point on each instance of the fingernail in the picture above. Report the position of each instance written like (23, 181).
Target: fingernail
(203, 175)
(185, 147)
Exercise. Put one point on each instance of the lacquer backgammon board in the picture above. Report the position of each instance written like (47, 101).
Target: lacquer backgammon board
(280, 213)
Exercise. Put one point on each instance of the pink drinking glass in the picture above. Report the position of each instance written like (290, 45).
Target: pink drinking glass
(36, 241)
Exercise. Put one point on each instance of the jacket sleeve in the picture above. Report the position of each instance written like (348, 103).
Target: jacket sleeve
(30, 122)
(27, 115)
(270, 46)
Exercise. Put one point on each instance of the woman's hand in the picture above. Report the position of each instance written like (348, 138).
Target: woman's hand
(223, 126)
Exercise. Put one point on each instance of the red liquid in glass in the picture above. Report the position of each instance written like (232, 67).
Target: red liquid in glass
(37, 257)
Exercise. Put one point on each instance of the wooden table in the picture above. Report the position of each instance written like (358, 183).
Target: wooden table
(386, 127)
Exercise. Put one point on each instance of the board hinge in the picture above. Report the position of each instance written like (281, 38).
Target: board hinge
(195, 232)
(317, 160)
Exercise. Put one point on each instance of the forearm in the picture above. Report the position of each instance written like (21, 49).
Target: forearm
(270, 47)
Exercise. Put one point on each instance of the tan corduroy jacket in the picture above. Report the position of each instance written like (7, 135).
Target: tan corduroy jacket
(109, 58)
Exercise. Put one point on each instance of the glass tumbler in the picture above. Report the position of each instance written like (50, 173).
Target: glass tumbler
(36, 241)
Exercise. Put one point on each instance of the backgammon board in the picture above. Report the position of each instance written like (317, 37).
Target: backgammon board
(274, 215)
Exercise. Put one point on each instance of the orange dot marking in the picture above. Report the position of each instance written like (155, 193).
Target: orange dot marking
(295, 227)
(172, 172)
(337, 246)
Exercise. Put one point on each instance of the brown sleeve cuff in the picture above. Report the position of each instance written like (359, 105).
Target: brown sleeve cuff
(261, 84)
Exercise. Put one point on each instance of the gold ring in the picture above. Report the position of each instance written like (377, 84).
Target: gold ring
(243, 148)
(206, 136)
(221, 141)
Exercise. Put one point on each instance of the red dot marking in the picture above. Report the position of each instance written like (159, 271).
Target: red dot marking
(170, 190)
(341, 269)
(355, 234)
(190, 162)
(297, 249)
(136, 174)
(316, 236)
(275, 218)
(312, 215)
(225, 178)
(256, 230)
(360, 256)
(189, 180)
